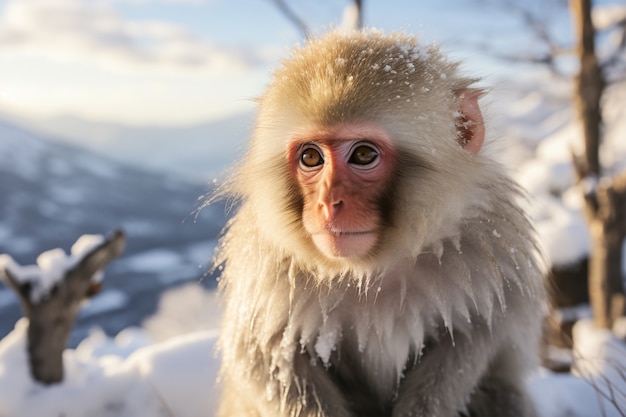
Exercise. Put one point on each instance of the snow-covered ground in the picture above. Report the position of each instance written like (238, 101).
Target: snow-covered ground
(128, 376)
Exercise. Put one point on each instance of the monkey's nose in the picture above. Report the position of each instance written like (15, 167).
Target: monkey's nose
(330, 210)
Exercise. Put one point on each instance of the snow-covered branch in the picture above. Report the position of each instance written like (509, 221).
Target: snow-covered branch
(51, 293)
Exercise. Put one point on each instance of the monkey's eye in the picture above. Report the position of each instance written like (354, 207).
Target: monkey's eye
(311, 158)
(363, 155)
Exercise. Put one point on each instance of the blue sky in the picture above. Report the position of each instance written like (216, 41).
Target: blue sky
(177, 62)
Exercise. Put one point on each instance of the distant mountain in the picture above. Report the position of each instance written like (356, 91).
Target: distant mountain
(198, 152)
(50, 194)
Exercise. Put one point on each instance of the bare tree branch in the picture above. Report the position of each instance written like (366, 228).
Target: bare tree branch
(359, 8)
(293, 17)
(616, 58)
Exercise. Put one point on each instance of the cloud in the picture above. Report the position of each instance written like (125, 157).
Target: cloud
(92, 31)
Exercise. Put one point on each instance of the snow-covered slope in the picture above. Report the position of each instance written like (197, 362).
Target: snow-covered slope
(50, 194)
(197, 152)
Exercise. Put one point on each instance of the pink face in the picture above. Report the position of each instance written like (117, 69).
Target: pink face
(342, 173)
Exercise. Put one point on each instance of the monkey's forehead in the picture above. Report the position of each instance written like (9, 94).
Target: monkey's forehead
(371, 58)
(340, 75)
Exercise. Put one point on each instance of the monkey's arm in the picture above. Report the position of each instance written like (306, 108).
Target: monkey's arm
(313, 392)
(464, 375)
(308, 392)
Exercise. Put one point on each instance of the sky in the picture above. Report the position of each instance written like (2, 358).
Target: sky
(183, 62)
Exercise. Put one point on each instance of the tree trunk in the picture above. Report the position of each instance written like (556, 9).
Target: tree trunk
(589, 85)
(608, 229)
(604, 199)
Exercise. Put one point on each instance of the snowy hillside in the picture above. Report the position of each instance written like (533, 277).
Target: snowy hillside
(50, 194)
(198, 152)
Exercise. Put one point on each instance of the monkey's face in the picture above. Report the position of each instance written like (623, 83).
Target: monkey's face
(342, 173)
(360, 152)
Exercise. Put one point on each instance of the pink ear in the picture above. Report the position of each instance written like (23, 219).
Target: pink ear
(470, 124)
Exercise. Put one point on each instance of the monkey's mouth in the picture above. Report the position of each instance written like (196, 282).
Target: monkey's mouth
(344, 244)
(339, 233)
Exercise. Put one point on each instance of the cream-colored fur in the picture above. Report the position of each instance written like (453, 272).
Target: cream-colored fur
(456, 278)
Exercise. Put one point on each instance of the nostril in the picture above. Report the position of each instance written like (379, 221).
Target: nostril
(336, 207)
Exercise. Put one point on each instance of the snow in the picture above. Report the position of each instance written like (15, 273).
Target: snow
(122, 377)
(7, 297)
(561, 395)
(22, 244)
(550, 134)
(598, 382)
(30, 164)
(107, 300)
(186, 309)
(534, 173)
(51, 266)
(134, 375)
(564, 234)
(61, 193)
(170, 266)
(139, 227)
(98, 167)
(152, 261)
(13, 157)
(608, 15)
(85, 244)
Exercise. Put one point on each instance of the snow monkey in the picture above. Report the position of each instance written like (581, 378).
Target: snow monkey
(378, 262)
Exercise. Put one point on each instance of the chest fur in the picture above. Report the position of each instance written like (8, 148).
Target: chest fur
(374, 335)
